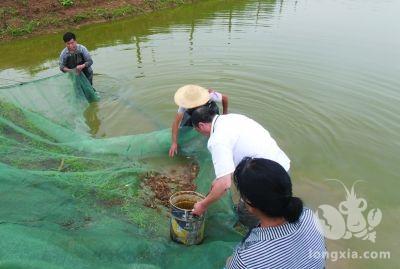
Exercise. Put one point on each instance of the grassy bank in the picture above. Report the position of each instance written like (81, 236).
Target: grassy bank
(21, 18)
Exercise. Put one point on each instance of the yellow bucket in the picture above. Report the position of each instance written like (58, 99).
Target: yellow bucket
(185, 227)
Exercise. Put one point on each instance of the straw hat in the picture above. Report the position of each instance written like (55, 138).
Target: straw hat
(190, 96)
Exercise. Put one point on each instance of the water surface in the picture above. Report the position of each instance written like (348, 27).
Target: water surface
(321, 76)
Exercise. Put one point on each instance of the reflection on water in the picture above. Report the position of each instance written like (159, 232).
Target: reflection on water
(138, 54)
(92, 119)
(111, 33)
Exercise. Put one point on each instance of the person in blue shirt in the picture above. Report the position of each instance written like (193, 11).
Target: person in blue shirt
(75, 56)
(288, 234)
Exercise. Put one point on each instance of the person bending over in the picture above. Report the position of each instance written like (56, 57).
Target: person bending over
(231, 138)
(188, 98)
(75, 56)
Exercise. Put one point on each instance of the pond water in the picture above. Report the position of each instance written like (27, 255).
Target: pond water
(321, 76)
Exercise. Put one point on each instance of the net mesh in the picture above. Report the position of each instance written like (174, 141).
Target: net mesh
(72, 201)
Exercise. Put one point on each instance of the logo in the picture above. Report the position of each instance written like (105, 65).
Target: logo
(348, 220)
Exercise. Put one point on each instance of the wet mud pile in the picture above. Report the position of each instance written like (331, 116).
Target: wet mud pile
(163, 185)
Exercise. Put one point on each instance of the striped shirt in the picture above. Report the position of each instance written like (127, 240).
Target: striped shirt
(290, 245)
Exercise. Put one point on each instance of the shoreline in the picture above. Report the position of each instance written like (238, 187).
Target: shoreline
(24, 19)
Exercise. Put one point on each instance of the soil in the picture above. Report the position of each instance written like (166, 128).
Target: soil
(162, 186)
(28, 17)
(35, 9)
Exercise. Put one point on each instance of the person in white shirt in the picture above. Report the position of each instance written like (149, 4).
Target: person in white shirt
(231, 138)
(188, 98)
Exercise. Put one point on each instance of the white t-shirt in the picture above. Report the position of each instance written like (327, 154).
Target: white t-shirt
(234, 137)
(214, 96)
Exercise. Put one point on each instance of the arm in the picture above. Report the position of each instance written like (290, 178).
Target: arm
(222, 157)
(174, 135)
(66, 69)
(224, 104)
(219, 97)
(88, 59)
(61, 63)
(218, 189)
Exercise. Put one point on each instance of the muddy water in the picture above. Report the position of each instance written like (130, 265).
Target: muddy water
(187, 205)
(321, 76)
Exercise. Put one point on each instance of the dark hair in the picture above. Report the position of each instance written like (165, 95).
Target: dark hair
(68, 36)
(204, 113)
(265, 185)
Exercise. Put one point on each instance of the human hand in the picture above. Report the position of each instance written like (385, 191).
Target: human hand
(199, 208)
(80, 67)
(173, 149)
(66, 69)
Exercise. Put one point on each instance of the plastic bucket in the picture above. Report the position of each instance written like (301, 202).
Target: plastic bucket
(186, 228)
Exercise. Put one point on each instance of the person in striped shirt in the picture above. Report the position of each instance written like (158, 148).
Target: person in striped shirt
(288, 233)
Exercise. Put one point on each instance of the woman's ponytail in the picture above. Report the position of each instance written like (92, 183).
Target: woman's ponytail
(293, 210)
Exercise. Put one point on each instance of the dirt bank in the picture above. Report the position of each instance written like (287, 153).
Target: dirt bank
(23, 18)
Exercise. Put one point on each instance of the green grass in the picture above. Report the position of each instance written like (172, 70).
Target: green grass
(159, 4)
(66, 3)
(105, 13)
(24, 2)
(4, 11)
(114, 13)
(124, 10)
(27, 28)
(50, 20)
(81, 17)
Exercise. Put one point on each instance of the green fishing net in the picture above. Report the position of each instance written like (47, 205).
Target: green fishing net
(68, 200)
